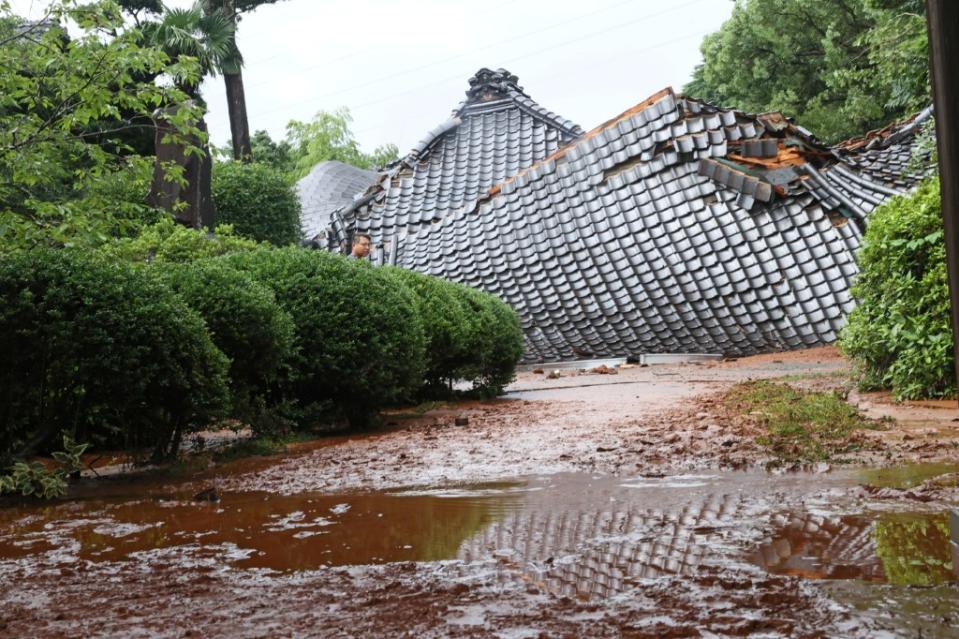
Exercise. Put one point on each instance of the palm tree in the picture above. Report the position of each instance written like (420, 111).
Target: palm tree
(209, 37)
(233, 76)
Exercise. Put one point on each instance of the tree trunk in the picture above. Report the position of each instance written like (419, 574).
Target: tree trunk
(235, 96)
(191, 203)
(239, 125)
(943, 23)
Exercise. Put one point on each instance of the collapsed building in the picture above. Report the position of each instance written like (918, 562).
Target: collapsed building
(675, 227)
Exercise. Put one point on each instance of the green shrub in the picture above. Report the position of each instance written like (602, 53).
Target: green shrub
(104, 352)
(246, 324)
(359, 338)
(900, 334)
(167, 241)
(257, 201)
(33, 479)
(494, 341)
(445, 326)
(470, 335)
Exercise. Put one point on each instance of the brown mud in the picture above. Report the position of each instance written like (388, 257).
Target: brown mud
(590, 504)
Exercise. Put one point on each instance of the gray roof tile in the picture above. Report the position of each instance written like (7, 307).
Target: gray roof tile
(671, 254)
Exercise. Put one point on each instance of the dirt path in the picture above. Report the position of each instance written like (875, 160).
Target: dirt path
(586, 505)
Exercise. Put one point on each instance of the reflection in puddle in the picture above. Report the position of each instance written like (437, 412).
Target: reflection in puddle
(906, 475)
(898, 548)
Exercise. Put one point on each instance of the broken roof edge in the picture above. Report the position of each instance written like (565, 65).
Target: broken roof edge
(562, 151)
(887, 135)
(477, 205)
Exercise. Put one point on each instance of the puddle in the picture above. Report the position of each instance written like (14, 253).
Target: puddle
(905, 476)
(302, 532)
(568, 534)
(898, 548)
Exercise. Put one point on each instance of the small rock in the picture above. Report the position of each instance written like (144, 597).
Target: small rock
(554, 375)
(538, 371)
(211, 495)
(462, 421)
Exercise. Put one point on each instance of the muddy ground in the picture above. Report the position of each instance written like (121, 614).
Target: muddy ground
(629, 504)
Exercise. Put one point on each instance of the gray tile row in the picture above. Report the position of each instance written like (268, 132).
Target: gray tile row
(621, 246)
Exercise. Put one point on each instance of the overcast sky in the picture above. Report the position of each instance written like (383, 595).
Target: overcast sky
(401, 67)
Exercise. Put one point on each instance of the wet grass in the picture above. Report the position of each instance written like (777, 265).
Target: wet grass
(801, 426)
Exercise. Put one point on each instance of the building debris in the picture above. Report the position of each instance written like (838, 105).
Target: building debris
(675, 227)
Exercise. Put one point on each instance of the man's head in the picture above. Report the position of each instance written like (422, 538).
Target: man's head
(361, 245)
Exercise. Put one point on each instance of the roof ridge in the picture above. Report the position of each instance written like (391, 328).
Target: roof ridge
(498, 89)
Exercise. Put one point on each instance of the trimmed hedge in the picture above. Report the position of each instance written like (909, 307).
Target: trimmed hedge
(104, 352)
(359, 337)
(446, 325)
(470, 335)
(900, 333)
(257, 201)
(494, 342)
(167, 241)
(244, 322)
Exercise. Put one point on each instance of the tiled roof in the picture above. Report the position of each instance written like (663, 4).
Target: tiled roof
(329, 186)
(496, 132)
(675, 227)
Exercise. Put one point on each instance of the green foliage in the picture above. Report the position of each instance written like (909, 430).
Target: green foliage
(900, 333)
(470, 335)
(914, 549)
(102, 351)
(278, 155)
(33, 479)
(257, 201)
(841, 67)
(246, 324)
(445, 324)
(167, 241)
(66, 101)
(359, 338)
(207, 38)
(494, 340)
(800, 426)
(328, 137)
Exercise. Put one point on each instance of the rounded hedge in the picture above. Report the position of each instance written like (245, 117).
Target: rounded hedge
(470, 335)
(245, 323)
(494, 340)
(900, 333)
(104, 352)
(359, 337)
(167, 241)
(445, 324)
(257, 201)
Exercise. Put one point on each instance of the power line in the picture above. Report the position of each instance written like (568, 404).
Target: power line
(440, 82)
(459, 78)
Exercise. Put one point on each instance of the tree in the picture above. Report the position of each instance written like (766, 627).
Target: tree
(65, 101)
(233, 77)
(328, 137)
(279, 155)
(840, 67)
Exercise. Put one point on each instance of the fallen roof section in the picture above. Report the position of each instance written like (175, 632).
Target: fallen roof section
(677, 226)
(327, 187)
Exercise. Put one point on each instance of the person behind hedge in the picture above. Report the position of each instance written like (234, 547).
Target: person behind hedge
(361, 246)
